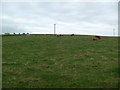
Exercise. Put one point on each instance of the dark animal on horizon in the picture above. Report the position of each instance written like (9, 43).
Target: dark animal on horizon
(60, 35)
(72, 35)
(57, 35)
(98, 37)
(95, 38)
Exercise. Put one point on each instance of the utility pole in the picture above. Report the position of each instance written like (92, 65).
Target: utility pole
(54, 29)
(113, 32)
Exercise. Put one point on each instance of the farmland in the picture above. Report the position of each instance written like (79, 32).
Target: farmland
(47, 61)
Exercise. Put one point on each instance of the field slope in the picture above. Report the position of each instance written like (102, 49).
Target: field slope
(46, 61)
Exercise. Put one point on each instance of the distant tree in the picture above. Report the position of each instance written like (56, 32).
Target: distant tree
(72, 35)
(23, 33)
(7, 33)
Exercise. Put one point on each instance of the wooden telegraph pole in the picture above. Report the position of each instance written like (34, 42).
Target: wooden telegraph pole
(54, 29)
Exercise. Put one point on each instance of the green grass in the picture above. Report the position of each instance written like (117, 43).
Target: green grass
(46, 61)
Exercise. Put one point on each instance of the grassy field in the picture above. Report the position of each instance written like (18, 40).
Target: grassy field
(46, 61)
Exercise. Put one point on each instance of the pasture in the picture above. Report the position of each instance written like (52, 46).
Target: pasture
(47, 61)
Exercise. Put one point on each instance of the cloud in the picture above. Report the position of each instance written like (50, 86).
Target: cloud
(82, 17)
(12, 28)
(59, 0)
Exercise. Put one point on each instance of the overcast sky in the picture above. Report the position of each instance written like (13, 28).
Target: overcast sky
(93, 18)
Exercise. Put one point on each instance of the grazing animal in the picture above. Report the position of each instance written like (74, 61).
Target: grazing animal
(72, 35)
(98, 37)
(60, 35)
(95, 38)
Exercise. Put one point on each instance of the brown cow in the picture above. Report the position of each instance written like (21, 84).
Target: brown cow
(98, 37)
(95, 38)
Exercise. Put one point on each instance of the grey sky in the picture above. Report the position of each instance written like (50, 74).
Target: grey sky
(71, 17)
